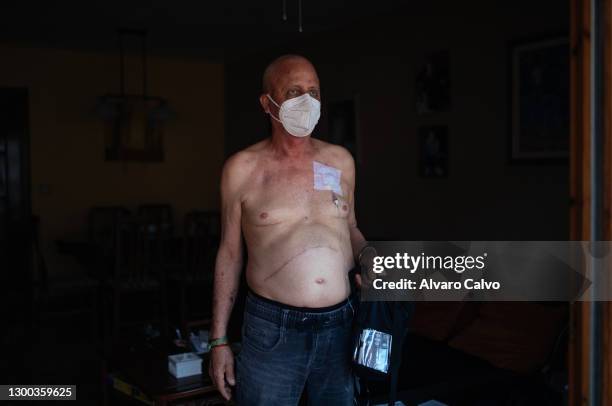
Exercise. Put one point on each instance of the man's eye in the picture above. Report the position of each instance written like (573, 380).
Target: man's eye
(292, 92)
(314, 93)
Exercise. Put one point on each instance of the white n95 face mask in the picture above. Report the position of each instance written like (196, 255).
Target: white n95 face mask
(299, 115)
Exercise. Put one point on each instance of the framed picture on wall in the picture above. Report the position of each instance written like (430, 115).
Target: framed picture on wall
(132, 132)
(539, 100)
(433, 151)
(433, 84)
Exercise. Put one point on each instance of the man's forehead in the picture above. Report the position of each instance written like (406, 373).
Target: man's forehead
(298, 72)
(298, 76)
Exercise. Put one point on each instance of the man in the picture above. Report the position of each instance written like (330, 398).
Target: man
(292, 198)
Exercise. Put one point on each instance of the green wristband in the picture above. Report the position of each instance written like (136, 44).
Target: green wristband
(217, 341)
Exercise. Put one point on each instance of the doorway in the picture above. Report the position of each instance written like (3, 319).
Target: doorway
(15, 222)
(590, 351)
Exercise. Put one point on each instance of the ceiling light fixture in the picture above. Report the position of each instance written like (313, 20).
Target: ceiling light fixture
(108, 107)
(284, 15)
(134, 122)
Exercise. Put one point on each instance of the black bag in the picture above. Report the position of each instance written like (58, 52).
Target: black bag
(379, 331)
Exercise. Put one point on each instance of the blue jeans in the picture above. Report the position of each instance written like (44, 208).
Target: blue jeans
(285, 350)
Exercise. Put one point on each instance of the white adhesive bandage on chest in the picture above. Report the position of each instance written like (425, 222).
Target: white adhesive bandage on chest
(326, 177)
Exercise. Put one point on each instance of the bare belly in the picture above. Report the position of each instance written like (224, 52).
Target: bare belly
(300, 265)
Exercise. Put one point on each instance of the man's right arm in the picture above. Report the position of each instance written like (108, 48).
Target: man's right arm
(227, 274)
(229, 257)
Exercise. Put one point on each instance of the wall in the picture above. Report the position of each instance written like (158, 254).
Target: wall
(69, 174)
(484, 197)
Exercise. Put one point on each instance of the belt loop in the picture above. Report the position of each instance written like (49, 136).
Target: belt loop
(283, 329)
(284, 317)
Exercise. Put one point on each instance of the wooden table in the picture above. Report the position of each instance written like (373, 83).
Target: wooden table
(145, 377)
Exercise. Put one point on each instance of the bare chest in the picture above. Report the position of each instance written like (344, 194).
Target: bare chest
(286, 194)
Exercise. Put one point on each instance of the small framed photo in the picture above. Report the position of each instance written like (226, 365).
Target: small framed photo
(433, 84)
(539, 100)
(433, 151)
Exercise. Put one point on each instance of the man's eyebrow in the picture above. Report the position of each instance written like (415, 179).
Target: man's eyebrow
(296, 86)
(299, 87)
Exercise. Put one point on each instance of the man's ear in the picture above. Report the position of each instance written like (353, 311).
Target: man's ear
(265, 103)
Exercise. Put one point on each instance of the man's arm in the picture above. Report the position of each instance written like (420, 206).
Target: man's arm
(227, 274)
(358, 241)
(229, 257)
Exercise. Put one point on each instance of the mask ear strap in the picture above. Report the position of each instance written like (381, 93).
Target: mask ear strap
(276, 104)
(272, 100)
(271, 115)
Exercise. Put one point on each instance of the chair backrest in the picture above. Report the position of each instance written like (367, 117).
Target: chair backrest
(102, 233)
(157, 217)
(140, 251)
(155, 230)
(201, 239)
(103, 221)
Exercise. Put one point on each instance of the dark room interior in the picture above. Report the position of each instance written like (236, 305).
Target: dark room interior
(466, 121)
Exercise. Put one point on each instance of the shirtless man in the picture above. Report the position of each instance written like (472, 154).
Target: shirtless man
(292, 198)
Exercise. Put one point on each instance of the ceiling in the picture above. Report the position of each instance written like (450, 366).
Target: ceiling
(212, 29)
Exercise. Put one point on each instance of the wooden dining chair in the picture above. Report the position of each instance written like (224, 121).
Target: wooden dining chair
(60, 297)
(102, 232)
(195, 271)
(138, 275)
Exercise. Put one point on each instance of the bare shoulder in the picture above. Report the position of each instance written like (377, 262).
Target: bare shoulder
(246, 159)
(337, 154)
(239, 167)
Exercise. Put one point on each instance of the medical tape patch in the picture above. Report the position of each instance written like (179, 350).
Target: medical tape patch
(326, 177)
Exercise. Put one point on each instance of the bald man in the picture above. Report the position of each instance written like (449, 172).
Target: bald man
(292, 199)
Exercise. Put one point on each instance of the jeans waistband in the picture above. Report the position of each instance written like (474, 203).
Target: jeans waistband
(299, 319)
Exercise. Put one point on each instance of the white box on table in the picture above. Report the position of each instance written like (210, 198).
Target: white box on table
(182, 365)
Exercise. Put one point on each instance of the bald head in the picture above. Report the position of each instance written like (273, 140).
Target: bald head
(280, 69)
(285, 78)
